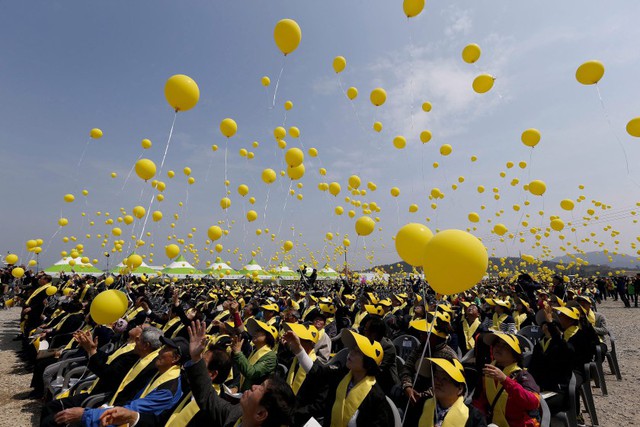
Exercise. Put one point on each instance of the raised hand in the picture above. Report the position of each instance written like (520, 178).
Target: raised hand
(197, 339)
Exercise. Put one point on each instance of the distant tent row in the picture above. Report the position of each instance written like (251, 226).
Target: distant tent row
(181, 268)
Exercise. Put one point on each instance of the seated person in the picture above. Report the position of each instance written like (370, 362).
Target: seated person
(262, 362)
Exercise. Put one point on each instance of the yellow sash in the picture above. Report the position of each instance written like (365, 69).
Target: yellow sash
(36, 292)
(272, 321)
(296, 376)
(358, 319)
(570, 332)
(186, 410)
(84, 292)
(170, 323)
(254, 357)
(171, 374)
(519, 318)
(221, 315)
(591, 317)
(64, 319)
(469, 331)
(71, 343)
(124, 349)
(545, 344)
(133, 313)
(492, 391)
(134, 372)
(346, 405)
(497, 321)
(456, 416)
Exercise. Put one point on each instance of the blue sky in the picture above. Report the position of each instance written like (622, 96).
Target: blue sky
(69, 66)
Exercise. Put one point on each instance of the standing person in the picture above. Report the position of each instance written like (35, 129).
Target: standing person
(621, 290)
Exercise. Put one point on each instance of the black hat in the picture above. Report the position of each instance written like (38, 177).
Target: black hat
(180, 344)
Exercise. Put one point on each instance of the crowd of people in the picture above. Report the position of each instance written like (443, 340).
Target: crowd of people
(196, 352)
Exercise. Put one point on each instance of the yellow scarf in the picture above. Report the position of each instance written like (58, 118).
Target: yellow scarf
(133, 313)
(254, 357)
(171, 374)
(36, 292)
(346, 405)
(134, 372)
(545, 344)
(358, 319)
(519, 318)
(469, 331)
(497, 321)
(186, 410)
(456, 416)
(296, 376)
(84, 292)
(221, 315)
(170, 323)
(570, 332)
(492, 390)
(124, 349)
(591, 317)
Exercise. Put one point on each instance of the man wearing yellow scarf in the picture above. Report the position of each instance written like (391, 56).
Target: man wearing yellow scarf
(353, 392)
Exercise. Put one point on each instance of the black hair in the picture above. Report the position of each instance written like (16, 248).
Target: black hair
(279, 402)
(271, 341)
(370, 366)
(375, 326)
(221, 362)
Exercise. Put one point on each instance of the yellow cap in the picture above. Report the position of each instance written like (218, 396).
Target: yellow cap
(570, 312)
(309, 333)
(254, 326)
(372, 309)
(510, 339)
(386, 302)
(271, 307)
(369, 348)
(453, 369)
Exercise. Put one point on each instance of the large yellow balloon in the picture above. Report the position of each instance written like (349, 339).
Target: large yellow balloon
(269, 176)
(399, 142)
(378, 96)
(214, 233)
(339, 62)
(287, 246)
(411, 242)
(446, 149)
(294, 157)
(483, 83)
(334, 188)
(252, 216)
(108, 306)
(172, 250)
(51, 290)
(17, 272)
(11, 259)
(287, 35)
(530, 137)
(145, 169)
(228, 127)
(182, 92)
(134, 261)
(156, 216)
(590, 72)
(354, 181)
(365, 226)
(567, 204)
(454, 261)
(296, 172)
(139, 212)
(225, 203)
(471, 53)
(633, 127)
(537, 187)
(412, 7)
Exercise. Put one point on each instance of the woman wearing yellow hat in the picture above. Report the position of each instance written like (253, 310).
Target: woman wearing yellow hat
(262, 361)
(354, 395)
(448, 408)
(510, 396)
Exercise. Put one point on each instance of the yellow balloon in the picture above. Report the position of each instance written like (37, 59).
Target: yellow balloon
(145, 169)
(483, 83)
(287, 35)
(365, 226)
(214, 232)
(266, 81)
(413, 208)
(339, 62)
(590, 72)
(288, 105)
(339, 210)
(313, 152)
(31, 244)
(474, 217)
(108, 306)
(156, 216)
(445, 149)
(454, 261)
(279, 132)
(633, 127)
(395, 191)
(294, 157)
(346, 242)
(225, 203)
(269, 176)
(399, 142)
(296, 172)
(412, 7)
(377, 126)
(425, 136)
(32, 263)
(17, 272)
(287, 246)
(500, 229)
(530, 137)
(51, 290)
(95, 133)
(116, 231)
(426, 107)
(537, 187)
(352, 93)
(471, 53)
(294, 132)
(354, 181)
(139, 212)
(378, 96)
(411, 242)
(172, 250)
(567, 204)
(182, 92)
(62, 222)
(69, 198)
(134, 261)
(557, 224)
(334, 188)
(109, 281)
(146, 143)
(252, 216)
(228, 127)
(329, 236)
(11, 259)
(243, 190)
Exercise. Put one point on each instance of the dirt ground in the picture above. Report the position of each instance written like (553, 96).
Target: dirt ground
(619, 408)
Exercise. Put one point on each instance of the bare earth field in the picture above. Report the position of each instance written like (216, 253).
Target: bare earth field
(619, 408)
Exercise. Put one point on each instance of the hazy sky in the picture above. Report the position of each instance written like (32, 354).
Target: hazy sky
(69, 66)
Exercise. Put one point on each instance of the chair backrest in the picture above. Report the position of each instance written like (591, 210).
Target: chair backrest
(545, 414)
(532, 332)
(397, 421)
(526, 345)
(282, 371)
(405, 344)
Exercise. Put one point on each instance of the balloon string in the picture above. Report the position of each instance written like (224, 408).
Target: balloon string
(284, 207)
(82, 157)
(411, 60)
(166, 148)
(624, 152)
(129, 174)
(226, 146)
(51, 239)
(275, 92)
